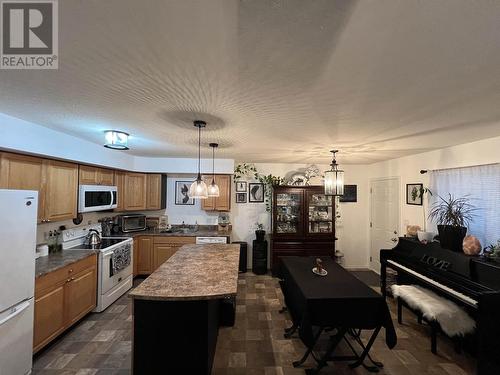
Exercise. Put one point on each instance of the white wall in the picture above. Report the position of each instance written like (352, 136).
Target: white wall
(187, 213)
(352, 230)
(26, 137)
(408, 168)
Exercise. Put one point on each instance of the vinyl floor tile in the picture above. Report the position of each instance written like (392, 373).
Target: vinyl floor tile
(101, 343)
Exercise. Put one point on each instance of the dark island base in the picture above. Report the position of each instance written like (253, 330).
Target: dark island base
(174, 337)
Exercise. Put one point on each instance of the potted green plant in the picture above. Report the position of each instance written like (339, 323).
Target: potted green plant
(452, 216)
(260, 232)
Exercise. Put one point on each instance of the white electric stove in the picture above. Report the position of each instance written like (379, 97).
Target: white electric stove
(110, 284)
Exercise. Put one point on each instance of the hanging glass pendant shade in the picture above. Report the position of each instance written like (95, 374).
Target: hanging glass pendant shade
(198, 189)
(334, 178)
(213, 188)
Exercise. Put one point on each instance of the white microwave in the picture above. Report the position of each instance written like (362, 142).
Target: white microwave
(96, 198)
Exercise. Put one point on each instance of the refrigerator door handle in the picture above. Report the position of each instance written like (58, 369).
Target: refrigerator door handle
(16, 311)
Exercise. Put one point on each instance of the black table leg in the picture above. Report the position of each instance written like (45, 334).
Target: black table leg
(290, 331)
(367, 350)
(331, 348)
(309, 350)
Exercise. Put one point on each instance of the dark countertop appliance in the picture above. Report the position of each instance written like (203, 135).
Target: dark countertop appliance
(131, 223)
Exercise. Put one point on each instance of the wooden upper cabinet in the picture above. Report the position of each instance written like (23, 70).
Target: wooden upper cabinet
(61, 185)
(120, 190)
(153, 192)
(223, 202)
(20, 172)
(95, 176)
(135, 191)
(106, 177)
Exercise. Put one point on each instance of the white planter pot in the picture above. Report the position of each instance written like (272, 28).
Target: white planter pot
(425, 236)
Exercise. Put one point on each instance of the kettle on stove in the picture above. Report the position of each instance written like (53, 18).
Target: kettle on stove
(93, 237)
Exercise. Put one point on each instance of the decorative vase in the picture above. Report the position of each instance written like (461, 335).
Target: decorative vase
(452, 237)
(260, 234)
(471, 245)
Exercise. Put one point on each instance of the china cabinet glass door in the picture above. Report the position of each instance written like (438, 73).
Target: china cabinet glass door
(320, 215)
(288, 214)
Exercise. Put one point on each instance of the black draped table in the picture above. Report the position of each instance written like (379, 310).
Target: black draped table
(337, 301)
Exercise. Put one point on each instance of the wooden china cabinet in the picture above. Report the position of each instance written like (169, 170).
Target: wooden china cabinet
(303, 223)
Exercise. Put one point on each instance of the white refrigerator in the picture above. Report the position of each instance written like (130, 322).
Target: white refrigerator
(18, 216)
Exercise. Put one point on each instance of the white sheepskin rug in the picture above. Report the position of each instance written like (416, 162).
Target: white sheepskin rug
(453, 320)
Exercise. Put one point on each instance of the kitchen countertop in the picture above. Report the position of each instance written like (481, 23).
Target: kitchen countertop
(194, 272)
(55, 261)
(202, 232)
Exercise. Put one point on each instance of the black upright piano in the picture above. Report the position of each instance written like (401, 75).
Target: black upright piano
(473, 282)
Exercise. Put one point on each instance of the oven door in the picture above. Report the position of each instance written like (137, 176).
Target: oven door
(96, 198)
(109, 279)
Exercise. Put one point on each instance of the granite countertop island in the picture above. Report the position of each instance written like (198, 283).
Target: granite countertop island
(203, 231)
(177, 310)
(195, 272)
(55, 261)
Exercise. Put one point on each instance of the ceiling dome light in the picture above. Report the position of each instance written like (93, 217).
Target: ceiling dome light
(198, 189)
(213, 188)
(334, 178)
(116, 140)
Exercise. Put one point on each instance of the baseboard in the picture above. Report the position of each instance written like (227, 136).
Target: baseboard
(357, 268)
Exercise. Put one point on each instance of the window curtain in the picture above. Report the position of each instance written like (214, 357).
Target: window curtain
(482, 185)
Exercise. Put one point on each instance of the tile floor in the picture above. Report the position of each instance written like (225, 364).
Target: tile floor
(101, 343)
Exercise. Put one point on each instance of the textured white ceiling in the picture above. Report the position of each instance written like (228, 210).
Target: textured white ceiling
(276, 80)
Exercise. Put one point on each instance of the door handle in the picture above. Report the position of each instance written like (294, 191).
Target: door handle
(394, 239)
(16, 311)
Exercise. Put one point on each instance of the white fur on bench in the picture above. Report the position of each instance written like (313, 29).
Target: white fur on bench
(453, 320)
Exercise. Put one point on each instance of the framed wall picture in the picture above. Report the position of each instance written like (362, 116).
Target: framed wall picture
(413, 196)
(350, 194)
(241, 197)
(182, 197)
(256, 192)
(241, 186)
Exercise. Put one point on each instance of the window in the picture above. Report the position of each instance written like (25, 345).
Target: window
(482, 185)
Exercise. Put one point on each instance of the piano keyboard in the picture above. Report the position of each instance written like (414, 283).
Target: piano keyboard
(460, 296)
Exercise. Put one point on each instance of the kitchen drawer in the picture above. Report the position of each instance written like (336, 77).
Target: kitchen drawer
(174, 240)
(61, 275)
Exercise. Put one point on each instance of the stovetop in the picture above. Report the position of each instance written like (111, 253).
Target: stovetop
(105, 243)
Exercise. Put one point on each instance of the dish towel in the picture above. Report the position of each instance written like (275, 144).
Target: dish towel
(120, 259)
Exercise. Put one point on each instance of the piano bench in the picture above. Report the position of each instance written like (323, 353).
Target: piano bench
(429, 307)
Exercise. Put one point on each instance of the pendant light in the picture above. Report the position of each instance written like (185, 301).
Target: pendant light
(213, 189)
(334, 178)
(198, 189)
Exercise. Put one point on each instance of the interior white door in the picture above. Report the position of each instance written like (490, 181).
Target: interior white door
(17, 248)
(384, 220)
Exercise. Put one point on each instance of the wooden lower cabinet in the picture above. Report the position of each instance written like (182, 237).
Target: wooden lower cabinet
(153, 251)
(62, 298)
(49, 316)
(144, 257)
(165, 247)
(81, 295)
